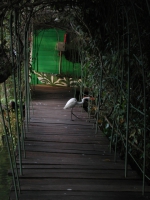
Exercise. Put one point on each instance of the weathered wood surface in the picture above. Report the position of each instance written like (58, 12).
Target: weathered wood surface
(66, 160)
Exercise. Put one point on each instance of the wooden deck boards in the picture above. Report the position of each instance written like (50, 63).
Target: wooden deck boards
(66, 160)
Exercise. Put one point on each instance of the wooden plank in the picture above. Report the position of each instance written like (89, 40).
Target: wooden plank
(67, 151)
(54, 137)
(78, 173)
(35, 165)
(73, 195)
(81, 185)
(66, 160)
(64, 145)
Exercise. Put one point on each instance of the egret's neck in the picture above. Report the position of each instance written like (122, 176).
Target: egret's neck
(81, 102)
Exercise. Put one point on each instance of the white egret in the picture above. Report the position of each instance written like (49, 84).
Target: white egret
(73, 102)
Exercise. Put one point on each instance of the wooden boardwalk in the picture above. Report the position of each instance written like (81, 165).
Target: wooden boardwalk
(66, 160)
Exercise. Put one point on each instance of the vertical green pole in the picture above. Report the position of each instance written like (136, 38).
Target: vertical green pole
(26, 67)
(9, 152)
(13, 160)
(26, 77)
(99, 102)
(116, 142)
(97, 111)
(27, 74)
(17, 20)
(144, 150)
(17, 122)
(144, 101)
(34, 55)
(117, 91)
(37, 55)
(128, 99)
(21, 109)
(112, 135)
(15, 93)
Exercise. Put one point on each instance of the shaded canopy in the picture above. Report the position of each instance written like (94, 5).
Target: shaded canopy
(97, 23)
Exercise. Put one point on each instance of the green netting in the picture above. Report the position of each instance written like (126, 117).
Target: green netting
(45, 57)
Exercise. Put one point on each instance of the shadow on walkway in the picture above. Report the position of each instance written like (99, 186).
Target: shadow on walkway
(66, 160)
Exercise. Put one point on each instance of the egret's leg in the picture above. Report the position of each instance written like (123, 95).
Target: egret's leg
(73, 114)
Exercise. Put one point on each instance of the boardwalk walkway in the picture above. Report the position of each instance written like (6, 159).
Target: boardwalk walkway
(65, 160)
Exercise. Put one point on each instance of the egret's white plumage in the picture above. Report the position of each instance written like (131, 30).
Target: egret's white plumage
(73, 102)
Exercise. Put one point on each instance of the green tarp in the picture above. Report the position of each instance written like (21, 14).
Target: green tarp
(46, 58)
